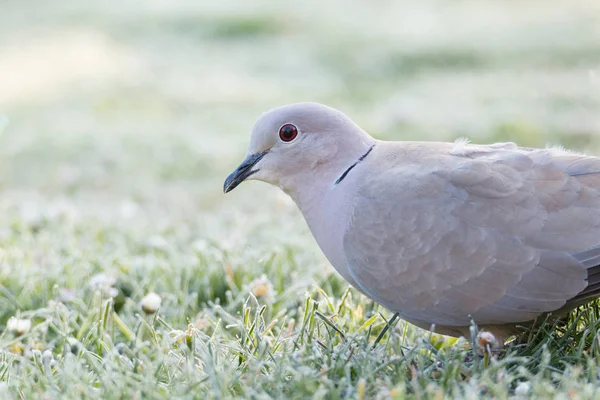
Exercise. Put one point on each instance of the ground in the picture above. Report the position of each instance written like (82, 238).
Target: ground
(119, 122)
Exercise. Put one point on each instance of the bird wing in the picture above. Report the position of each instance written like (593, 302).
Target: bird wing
(498, 233)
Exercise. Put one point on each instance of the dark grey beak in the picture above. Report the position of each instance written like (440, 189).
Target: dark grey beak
(242, 172)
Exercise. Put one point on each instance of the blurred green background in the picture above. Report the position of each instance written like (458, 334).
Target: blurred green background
(154, 100)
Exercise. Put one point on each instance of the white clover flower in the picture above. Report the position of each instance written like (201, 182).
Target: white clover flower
(262, 288)
(18, 326)
(151, 303)
(486, 341)
(523, 389)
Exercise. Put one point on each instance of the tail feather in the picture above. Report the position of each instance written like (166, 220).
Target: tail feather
(593, 276)
(591, 292)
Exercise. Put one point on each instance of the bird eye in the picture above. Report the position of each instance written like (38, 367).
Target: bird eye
(288, 132)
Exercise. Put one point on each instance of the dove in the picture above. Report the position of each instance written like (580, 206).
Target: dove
(439, 233)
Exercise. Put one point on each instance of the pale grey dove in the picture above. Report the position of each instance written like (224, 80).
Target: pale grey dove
(438, 232)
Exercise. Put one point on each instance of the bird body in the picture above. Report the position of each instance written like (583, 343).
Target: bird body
(440, 232)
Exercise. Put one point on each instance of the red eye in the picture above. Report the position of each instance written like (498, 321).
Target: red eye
(288, 132)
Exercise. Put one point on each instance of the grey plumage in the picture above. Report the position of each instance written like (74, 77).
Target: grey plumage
(441, 232)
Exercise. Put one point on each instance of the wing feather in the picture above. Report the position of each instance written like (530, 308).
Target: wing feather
(501, 234)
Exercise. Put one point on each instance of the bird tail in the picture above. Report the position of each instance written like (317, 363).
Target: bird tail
(590, 259)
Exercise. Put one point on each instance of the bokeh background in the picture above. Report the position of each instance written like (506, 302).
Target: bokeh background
(119, 121)
(155, 100)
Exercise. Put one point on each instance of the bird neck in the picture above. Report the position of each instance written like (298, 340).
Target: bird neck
(310, 187)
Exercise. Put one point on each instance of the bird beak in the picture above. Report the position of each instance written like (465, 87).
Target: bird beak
(242, 172)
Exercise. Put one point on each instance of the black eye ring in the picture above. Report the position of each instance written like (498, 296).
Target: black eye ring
(288, 132)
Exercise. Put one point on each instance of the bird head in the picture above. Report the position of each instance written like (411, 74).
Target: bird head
(300, 143)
